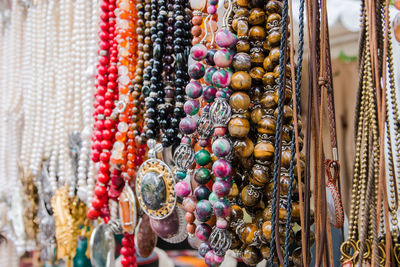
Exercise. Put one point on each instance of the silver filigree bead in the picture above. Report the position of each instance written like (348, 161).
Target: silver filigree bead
(220, 241)
(204, 126)
(220, 112)
(184, 156)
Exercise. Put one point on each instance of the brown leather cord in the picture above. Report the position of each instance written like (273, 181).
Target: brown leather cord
(296, 132)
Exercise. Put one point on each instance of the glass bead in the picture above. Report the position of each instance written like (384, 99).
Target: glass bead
(118, 146)
(123, 127)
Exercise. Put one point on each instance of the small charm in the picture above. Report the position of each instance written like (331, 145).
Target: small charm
(127, 210)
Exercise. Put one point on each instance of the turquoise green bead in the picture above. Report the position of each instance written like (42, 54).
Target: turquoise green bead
(181, 174)
(202, 157)
(202, 175)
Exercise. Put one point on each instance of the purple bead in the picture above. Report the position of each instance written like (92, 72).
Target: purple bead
(196, 71)
(187, 125)
(182, 189)
(203, 231)
(209, 93)
(194, 89)
(221, 147)
(204, 248)
(203, 142)
(220, 94)
(223, 58)
(202, 192)
(228, 92)
(221, 188)
(222, 208)
(221, 168)
(198, 52)
(203, 211)
(191, 107)
(209, 74)
(225, 38)
(210, 57)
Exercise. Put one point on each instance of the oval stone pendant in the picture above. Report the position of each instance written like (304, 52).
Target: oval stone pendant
(127, 209)
(102, 246)
(145, 238)
(155, 189)
(172, 228)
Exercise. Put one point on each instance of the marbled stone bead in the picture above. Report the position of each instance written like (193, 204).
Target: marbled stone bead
(202, 175)
(223, 58)
(239, 127)
(257, 33)
(209, 93)
(243, 46)
(221, 168)
(239, 101)
(202, 192)
(204, 248)
(196, 71)
(209, 73)
(264, 150)
(244, 147)
(182, 189)
(257, 74)
(222, 208)
(198, 52)
(221, 147)
(257, 16)
(241, 61)
(194, 89)
(225, 38)
(187, 125)
(267, 125)
(241, 80)
(221, 188)
(191, 107)
(203, 210)
(222, 78)
(248, 198)
(251, 256)
(202, 157)
(203, 231)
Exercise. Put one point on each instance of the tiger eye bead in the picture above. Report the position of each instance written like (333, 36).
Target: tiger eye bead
(243, 3)
(273, 20)
(239, 127)
(239, 101)
(267, 125)
(241, 61)
(256, 115)
(257, 74)
(269, 100)
(287, 114)
(257, 58)
(266, 229)
(241, 27)
(241, 80)
(264, 150)
(244, 148)
(243, 46)
(265, 251)
(285, 157)
(236, 213)
(273, 6)
(248, 198)
(257, 16)
(242, 12)
(257, 33)
(259, 176)
(274, 55)
(248, 234)
(274, 38)
(251, 256)
(268, 65)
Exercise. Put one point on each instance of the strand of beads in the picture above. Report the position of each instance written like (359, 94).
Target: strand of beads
(106, 90)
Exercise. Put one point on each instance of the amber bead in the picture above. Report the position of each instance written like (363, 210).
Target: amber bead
(244, 148)
(273, 21)
(248, 234)
(256, 93)
(267, 46)
(241, 61)
(248, 198)
(269, 100)
(239, 127)
(265, 251)
(243, 3)
(276, 71)
(241, 80)
(242, 46)
(274, 55)
(257, 74)
(257, 16)
(251, 256)
(274, 38)
(273, 6)
(257, 33)
(267, 125)
(287, 114)
(259, 176)
(239, 101)
(285, 157)
(236, 213)
(264, 150)
(257, 58)
(241, 27)
(268, 65)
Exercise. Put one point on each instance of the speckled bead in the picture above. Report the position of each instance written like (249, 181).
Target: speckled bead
(202, 175)
(223, 58)
(225, 38)
(222, 78)
(209, 73)
(182, 189)
(196, 71)
(241, 80)
(221, 168)
(209, 94)
(222, 208)
(221, 147)
(191, 107)
(241, 61)
(203, 231)
(194, 89)
(198, 52)
(203, 211)
(201, 192)
(202, 157)
(187, 125)
(221, 188)
(204, 248)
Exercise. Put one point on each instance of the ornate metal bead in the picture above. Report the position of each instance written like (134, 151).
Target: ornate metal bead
(184, 156)
(220, 241)
(220, 112)
(204, 125)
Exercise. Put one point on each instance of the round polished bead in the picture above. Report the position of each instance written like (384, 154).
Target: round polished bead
(209, 59)
(223, 58)
(203, 210)
(198, 4)
(191, 228)
(259, 176)
(202, 175)
(202, 157)
(203, 231)
(189, 204)
(241, 80)
(267, 125)
(187, 125)
(198, 52)
(201, 192)
(194, 89)
(239, 127)
(251, 255)
(189, 217)
(191, 107)
(221, 168)
(249, 198)
(239, 101)
(221, 188)
(209, 94)
(264, 150)
(257, 33)
(244, 148)
(273, 7)
(221, 147)
(222, 208)
(225, 38)
(257, 16)
(196, 71)
(204, 248)
(222, 78)
(257, 73)
(241, 61)
(274, 38)
(182, 189)
(243, 46)
(209, 74)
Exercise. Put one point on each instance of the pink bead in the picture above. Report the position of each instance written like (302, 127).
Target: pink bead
(225, 38)
(211, 9)
(221, 168)
(182, 189)
(220, 131)
(198, 52)
(222, 223)
(218, 259)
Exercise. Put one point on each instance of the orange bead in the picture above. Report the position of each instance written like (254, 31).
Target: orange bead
(123, 117)
(120, 136)
(124, 90)
(131, 156)
(131, 172)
